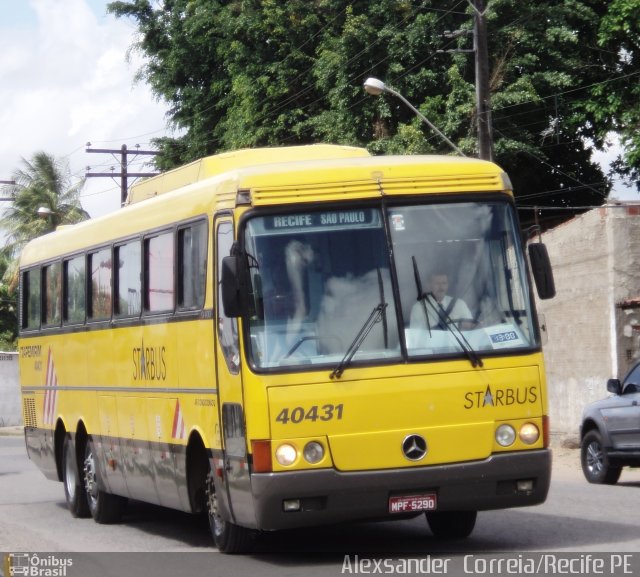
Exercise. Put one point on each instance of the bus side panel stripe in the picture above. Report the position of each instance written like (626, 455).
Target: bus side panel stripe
(51, 390)
(45, 411)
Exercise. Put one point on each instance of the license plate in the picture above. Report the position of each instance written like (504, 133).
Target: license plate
(413, 503)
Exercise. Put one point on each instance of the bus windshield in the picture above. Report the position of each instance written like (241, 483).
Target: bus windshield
(324, 288)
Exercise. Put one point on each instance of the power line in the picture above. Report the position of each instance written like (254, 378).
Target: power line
(560, 190)
(556, 169)
(578, 89)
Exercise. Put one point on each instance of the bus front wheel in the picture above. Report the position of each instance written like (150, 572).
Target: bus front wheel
(227, 536)
(452, 524)
(73, 489)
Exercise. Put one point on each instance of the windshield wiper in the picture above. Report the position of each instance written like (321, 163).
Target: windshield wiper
(416, 276)
(447, 321)
(443, 318)
(374, 317)
(385, 327)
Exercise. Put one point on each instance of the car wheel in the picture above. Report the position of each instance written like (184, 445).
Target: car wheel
(595, 462)
(451, 524)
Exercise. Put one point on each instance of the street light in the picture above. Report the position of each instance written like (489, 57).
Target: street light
(376, 87)
(44, 212)
(48, 215)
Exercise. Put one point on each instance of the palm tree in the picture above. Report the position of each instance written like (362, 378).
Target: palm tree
(43, 182)
(8, 311)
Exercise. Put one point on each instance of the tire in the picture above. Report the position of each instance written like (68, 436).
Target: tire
(452, 524)
(73, 490)
(595, 462)
(105, 508)
(227, 536)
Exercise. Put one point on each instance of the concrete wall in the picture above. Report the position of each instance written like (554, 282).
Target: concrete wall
(596, 263)
(626, 272)
(10, 407)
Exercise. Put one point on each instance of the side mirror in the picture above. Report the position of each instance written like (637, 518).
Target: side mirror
(541, 270)
(230, 286)
(614, 386)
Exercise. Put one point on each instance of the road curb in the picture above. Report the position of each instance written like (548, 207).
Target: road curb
(15, 431)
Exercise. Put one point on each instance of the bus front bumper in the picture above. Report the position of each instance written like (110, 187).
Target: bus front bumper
(329, 496)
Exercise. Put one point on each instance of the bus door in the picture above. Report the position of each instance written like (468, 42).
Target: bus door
(233, 486)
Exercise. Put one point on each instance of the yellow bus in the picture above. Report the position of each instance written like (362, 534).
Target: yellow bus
(291, 337)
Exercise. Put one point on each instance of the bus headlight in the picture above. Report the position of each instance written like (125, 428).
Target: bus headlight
(286, 454)
(313, 452)
(505, 435)
(529, 433)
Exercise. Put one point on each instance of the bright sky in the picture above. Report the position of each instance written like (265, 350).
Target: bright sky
(65, 81)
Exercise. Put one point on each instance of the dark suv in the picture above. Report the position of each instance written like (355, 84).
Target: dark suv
(610, 431)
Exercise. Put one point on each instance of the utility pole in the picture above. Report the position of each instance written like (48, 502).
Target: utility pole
(483, 96)
(124, 153)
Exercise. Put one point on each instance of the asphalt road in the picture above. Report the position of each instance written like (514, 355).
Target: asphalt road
(579, 518)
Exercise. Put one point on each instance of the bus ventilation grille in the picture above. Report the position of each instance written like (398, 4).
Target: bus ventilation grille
(29, 413)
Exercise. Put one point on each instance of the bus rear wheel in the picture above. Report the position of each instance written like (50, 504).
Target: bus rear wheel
(73, 490)
(227, 536)
(452, 524)
(105, 508)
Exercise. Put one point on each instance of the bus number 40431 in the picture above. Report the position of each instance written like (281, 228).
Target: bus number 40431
(314, 413)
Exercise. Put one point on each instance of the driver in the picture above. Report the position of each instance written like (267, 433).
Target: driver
(442, 309)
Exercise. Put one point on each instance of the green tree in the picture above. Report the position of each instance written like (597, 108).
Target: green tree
(43, 182)
(619, 110)
(243, 73)
(8, 310)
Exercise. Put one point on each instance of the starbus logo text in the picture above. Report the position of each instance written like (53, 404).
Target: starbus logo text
(149, 363)
(500, 397)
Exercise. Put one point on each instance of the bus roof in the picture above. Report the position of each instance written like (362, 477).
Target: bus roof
(226, 161)
(318, 173)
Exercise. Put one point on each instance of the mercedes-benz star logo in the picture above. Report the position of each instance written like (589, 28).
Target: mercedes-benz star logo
(414, 447)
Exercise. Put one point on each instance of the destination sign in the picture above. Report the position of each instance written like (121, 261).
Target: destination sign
(311, 220)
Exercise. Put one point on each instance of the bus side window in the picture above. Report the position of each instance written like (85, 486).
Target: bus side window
(52, 280)
(75, 282)
(30, 295)
(128, 279)
(192, 266)
(100, 286)
(227, 327)
(159, 259)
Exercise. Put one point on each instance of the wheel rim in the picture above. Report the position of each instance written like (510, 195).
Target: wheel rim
(70, 475)
(594, 458)
(90, 484)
